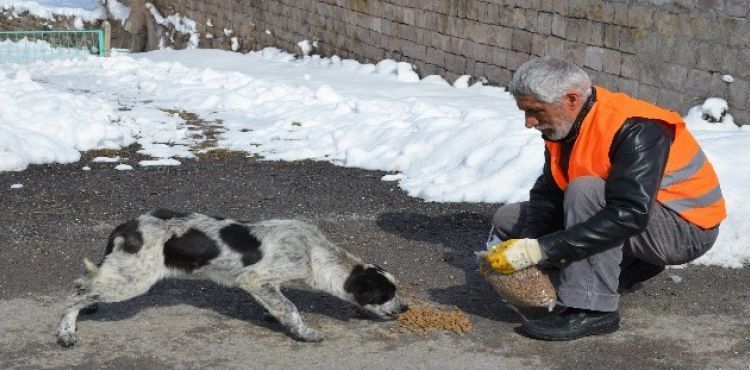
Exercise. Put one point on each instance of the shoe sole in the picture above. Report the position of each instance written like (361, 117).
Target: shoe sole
(602, 329)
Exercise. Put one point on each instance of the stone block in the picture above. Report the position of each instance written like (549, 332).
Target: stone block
(415, 51)
(578, 8)
(521, 41)
(612, 36)
(611, 63)
(741, 116)
(420, 18)
(709, 56)
(480, 53)
(698, 82)
(592, 33)
(572, 27)
(669, 99)
(376, 24)
(606, 80)
(435, 56)
(407, 15)
(607, 12)
(544, 23)
(547, 6)
(648, 47)
(627, 86)
(475, 10)
(515, 59)
(482, 33)
(647, 92)
(629, 66)
(500, 57)
(594, 58)
(684, 51)
(649, 73)
(519, 18)
(455, 63)
(739, 94)
(407, 32)
(538, 44)
(501, 36)
(574, 53)
(629, 39)
(558, 25)
(739, 31)
(673, 76)
(744, 63)
(639, 16)
(737, 8)
(498, 76)
(555, 47)
(506, 17)
(493, 14)
(561, 7)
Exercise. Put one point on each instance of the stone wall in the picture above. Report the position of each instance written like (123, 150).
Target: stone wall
(672, 52)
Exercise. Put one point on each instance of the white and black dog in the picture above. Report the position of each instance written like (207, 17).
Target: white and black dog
(257, 257)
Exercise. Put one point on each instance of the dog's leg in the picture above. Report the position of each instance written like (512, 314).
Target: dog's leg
(280, 307)
(111, 286)
(74, 304)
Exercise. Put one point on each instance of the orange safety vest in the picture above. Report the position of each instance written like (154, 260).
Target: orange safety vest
(689, 187)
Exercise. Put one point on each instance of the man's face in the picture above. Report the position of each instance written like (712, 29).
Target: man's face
(553, 120)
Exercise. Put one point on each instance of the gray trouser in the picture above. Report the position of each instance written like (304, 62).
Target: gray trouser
(591, 283)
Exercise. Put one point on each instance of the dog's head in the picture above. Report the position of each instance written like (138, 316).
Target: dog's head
(375, 290)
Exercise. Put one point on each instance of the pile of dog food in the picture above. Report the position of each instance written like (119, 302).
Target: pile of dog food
(423, 320)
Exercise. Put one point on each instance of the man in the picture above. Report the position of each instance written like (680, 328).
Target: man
(625, 190)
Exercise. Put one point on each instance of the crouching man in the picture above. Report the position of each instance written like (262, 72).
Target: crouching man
(625, 190)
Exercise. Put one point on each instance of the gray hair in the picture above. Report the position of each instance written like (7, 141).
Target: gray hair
(549, 79)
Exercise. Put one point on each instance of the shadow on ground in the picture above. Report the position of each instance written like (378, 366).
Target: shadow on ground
(461, 234)
(230, 302)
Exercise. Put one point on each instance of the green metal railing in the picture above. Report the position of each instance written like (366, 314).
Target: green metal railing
(30, 46)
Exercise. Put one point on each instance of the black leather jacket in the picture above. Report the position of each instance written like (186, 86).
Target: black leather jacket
(638, 155)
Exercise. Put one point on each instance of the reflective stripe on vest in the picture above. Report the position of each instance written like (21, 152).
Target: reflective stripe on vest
(689, 187)
(684, 173)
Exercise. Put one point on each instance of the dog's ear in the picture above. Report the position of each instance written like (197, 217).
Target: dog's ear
(90, 267)
(368, 285)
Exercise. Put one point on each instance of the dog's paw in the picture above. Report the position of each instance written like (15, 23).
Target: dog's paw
(66, 339)
(308, 335)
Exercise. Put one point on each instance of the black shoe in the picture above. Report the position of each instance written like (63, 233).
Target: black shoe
(572, 323)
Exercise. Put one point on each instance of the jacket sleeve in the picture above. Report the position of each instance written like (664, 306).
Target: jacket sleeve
(638, 154)
(545, 207)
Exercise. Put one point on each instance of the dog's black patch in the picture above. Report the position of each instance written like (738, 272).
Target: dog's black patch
(369, 286)
(133, 240)
(166, 214)
(190, 251)
(239, 238)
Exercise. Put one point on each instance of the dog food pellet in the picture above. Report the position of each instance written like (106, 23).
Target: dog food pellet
(530, 287)
(423, 320)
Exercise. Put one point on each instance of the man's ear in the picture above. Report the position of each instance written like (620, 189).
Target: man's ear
(572, 101)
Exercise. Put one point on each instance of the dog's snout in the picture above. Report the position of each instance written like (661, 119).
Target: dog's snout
(403, 308)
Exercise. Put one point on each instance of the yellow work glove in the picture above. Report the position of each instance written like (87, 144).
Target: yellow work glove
(514, 254)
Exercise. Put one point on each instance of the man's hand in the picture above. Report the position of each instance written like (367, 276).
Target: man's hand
(514, 254)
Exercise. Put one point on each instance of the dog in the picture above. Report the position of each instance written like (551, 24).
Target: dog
(256, 257)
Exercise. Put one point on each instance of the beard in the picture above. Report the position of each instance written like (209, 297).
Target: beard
(555, 131)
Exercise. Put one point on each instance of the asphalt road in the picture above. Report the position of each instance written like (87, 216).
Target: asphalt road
(698, 317)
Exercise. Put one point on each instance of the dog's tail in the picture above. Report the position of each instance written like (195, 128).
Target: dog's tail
(90, 271)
